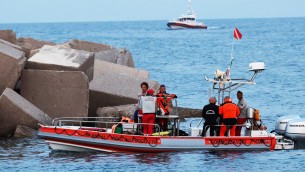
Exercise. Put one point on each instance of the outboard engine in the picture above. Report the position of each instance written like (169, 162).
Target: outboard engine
(281, 122)
(295, 130)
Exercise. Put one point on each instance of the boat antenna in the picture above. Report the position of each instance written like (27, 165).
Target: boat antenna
(190, 6)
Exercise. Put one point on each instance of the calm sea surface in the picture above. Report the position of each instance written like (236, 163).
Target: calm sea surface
(181, 59)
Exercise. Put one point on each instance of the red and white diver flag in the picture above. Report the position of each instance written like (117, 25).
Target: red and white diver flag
(237, 34)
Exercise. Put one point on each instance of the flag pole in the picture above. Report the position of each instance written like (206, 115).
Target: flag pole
(231, 62)
(228, 71)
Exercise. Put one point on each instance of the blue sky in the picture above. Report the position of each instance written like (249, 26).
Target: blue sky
(28, 11)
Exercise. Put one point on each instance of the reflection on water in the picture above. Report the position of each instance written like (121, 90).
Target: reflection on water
(33, 154)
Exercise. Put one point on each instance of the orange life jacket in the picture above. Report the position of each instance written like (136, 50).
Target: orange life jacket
(229, 110)
(163, 102)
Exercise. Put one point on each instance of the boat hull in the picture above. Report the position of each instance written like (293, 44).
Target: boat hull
(82, 140)
(179, 25)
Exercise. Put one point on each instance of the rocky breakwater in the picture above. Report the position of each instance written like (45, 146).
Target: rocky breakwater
(40, 81)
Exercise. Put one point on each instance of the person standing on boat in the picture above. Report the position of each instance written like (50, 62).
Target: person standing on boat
(144, 88)
(149, 112)
(242, 118)
(210, 114)
(164, 104)
(229, 112)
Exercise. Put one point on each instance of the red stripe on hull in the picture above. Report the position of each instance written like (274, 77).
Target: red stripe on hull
(113, 148)
(171, 24)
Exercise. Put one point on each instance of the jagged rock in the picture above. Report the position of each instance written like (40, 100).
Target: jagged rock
(23, 131)
(101, 67)
(113, 89)
(117, 111)
(29, 44)
(12, 62)
(16, 110)
(58, 93)
(62, 59)
(103, 52)
(8, 35)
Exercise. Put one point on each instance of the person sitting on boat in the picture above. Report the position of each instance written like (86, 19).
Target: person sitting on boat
(229, 112)
(164, 103)
(164, 100)
(144, 88)
(148, 103)
(210, 114)
(242, 118)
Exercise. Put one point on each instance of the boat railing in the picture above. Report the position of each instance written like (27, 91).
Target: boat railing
(81, 121)
(96, 123)
(247, 126)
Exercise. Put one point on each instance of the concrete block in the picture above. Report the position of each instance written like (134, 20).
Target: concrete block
(117, 111)
(12, 62)
(101, 67)
(8, 35)
(58, 93)
(29, 44)
(11, 44)
(16, 110)
(119, 56)
(87, 46)
(104, 52)
(62, 59)
(113, 89)
(23, 131)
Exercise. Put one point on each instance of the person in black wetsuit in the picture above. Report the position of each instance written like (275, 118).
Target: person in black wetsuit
(210, 113)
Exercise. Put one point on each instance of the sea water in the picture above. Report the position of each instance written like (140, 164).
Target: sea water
(181, 59)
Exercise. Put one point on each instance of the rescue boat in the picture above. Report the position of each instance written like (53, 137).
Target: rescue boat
(98, 134)
(186, 21)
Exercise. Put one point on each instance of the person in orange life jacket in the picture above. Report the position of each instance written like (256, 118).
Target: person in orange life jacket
(144, 88)
(164, 102)
(148, 118)
(210, 113)
(242, 118)
(229, 112)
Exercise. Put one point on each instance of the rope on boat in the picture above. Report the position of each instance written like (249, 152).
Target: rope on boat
(104, 136)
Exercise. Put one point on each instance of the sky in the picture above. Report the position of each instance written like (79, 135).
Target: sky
(36, 11)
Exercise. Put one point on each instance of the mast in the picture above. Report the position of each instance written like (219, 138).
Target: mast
(190, 11)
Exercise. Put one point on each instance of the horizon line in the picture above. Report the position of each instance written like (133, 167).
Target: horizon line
(39, 22)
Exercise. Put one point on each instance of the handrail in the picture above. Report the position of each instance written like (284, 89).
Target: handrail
(59, 122)
(56, 120)
(242, 125)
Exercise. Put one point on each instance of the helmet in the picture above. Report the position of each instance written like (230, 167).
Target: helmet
(150, 92)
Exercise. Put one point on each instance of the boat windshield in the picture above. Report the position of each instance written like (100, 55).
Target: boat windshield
(184, 19)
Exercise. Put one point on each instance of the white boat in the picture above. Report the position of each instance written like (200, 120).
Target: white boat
(186, 21)
(73, 134)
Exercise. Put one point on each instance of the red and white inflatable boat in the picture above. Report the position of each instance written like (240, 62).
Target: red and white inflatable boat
(73, 134)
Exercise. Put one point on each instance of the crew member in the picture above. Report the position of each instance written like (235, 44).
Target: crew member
(229, 112)
(144, 88)
(210, 113)
(148, 118)
(242, 118)
(164, 103)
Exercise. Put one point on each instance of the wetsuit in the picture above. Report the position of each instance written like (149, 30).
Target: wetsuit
(210, 113)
